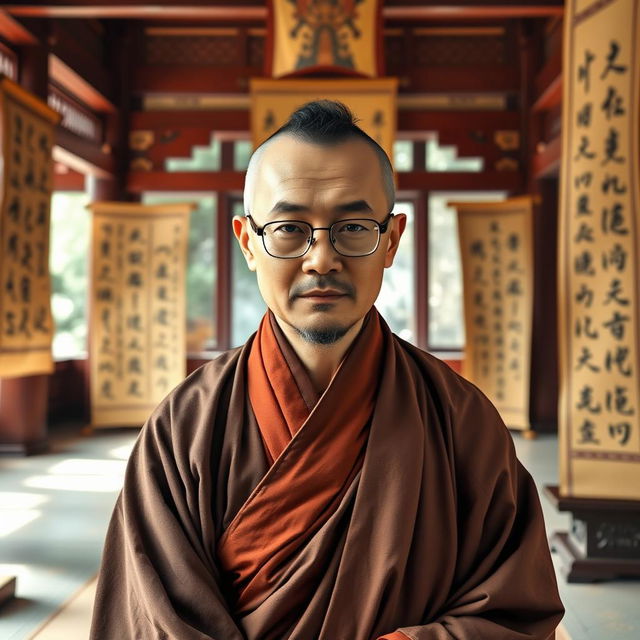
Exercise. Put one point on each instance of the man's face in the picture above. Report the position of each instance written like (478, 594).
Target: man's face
(321, 291)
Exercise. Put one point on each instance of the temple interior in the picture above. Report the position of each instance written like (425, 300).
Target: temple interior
(510, 127)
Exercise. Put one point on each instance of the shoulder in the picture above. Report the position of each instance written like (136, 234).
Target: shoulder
(205, 379)
(450, 388)
(462, 408)
(196, 400)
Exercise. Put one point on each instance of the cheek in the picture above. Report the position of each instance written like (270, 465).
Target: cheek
(368, 278)
(274, 281)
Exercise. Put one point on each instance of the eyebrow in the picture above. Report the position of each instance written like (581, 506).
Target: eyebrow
(355, 206)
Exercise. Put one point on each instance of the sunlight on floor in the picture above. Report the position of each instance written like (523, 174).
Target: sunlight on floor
(18, 500)
(81, 466)
(81, 475)
(11, 521)
(18, 509)
(123, 452)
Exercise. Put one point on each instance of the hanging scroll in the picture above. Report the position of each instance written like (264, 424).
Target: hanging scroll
(312, 35)
(26, 325)
(137, 332)
(497, 272)
(599, 431)
(372, 101)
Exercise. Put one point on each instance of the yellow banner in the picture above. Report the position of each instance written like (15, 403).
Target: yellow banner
(599, 431)
(372, 101)
(137, 308)
(26, 325)
(307, 35)
(497, 273)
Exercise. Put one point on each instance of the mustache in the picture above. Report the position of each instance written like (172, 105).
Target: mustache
(323, 282)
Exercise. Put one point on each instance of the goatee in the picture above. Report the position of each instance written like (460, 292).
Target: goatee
(322, 335)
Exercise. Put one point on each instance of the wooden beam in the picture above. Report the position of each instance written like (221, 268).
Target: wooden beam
(547, 161)
(460, 12)
(82, 155)
(549, 85)
(470, 120)
(87, 52)
(67, 180)
(255, 10)
(161, 10)
(510, 181)
(550, 97)
(66, 77)
(207, 181)
(13, 31)
(223, 120)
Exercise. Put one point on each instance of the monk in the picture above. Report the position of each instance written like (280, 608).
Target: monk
(327, 480)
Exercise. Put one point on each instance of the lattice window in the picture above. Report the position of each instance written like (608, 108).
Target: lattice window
(443, 51)
(193, 50)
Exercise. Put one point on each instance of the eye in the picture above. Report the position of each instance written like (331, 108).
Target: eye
(351, 227)
(288, 228)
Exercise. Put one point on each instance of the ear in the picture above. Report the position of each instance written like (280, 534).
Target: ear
(243, 235)
(398, 224)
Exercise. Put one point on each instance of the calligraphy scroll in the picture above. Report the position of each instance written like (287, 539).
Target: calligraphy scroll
(599, 431)
(372, 101)
(312, 35)
(26, 326)
(137, 304)
(497, 274)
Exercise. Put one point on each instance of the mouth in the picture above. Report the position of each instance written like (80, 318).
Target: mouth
(323, 296)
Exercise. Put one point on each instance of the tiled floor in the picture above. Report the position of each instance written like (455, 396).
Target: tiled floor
(54, 510)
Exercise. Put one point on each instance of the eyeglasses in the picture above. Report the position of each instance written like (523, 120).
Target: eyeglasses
(353, 238)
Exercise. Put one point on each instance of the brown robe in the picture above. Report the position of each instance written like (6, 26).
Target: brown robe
(307, 479)
(437, 534)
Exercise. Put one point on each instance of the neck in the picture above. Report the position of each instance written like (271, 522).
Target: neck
(320, 360)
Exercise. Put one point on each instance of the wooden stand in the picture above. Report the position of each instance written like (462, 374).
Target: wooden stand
(604, 540)
(7, 589)
(23, 415)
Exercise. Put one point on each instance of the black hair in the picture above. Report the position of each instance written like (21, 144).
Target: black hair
(329, 122)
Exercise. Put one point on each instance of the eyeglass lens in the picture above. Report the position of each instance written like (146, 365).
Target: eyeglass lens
(349, 237)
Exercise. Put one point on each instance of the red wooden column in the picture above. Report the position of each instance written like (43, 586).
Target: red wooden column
(544, 364)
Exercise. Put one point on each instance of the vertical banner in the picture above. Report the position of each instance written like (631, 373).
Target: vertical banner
(26, 325)
(599, 281)
(312, 35)
(138, 314)
(373, 102)
(497, 273)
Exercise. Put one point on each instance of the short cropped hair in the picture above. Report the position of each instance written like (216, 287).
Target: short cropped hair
(326, 123)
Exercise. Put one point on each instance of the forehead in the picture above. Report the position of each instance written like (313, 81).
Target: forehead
(310, 174)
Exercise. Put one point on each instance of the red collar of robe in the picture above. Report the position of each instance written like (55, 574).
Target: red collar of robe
(315, 446)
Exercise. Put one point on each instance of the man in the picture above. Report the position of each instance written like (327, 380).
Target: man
(327, 480)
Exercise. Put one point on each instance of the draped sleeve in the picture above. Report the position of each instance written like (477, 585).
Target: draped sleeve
(504, 586)
(158, 578)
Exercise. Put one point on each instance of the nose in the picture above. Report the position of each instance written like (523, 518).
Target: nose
(321, 256)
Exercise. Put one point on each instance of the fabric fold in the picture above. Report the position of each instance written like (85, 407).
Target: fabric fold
(434, 530)
(316, 455)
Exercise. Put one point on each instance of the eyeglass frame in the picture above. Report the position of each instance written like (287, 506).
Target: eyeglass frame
(383, 226)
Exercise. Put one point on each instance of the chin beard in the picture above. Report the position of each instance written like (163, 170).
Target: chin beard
(322, 335)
